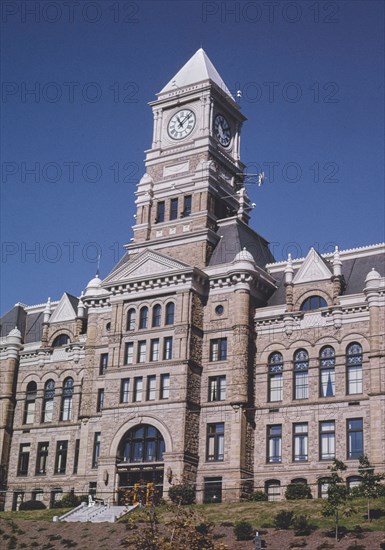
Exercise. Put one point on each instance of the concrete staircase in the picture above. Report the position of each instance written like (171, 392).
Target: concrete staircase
(96, 513)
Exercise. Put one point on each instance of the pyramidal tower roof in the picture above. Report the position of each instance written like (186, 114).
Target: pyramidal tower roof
(198, 68)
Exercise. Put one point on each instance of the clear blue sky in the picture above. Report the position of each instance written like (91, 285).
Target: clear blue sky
(311, 73)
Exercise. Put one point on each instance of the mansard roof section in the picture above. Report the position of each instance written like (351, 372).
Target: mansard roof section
(15, 317)
(356, 264)
(235, 236)
(314, 268)
(198, 68)
(145, 265)
(66, 310)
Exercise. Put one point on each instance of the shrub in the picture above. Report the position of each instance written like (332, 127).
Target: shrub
(258, 496)
(183, 493)
(301, 526)
(32, 505)
(283, 519)
(69, 500)
(243, 530)
(297, 491)
(382, 545)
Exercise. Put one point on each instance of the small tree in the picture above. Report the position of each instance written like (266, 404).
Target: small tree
(297, 491)
(338, 495)
(370, 486)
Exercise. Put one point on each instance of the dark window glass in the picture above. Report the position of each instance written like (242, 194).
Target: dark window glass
(187, 206)
(30, 403)
(300, 441)
(354, 368)
(76, 456)
(61, 457)
(212, 490)
(41, 458)
(164, 386)
(301, 374)
(327, 440)
(170, 313)
(167, 348)
(96, 450)
(218, 349)
(156, 315)
(22, 467)
(129, 353)
(173, 209)
(274, 445)
(68, 390)
(313, 302)
(131, 318)
(100, 400)
(275, 377)
(154, 349)
(143, 317)
(61, 340)
(217, 388)
(327, 361)
(151, 388)
(138, 389)
(142, 444)
(215, 441)
(124, 390)
(160, 212)
(355, 437)
(273, 489)
(103, 363)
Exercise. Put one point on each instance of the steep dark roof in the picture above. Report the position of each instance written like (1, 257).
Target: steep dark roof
(34, 328)
(15, 317)
(354, 271)
(236, 235)
(73, 300)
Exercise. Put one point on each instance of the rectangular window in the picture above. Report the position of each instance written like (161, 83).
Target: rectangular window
(173, 209)
(151, 388)
(164, 386)
(103, 363)
(41, 458)
(275, 386)
(354, 375)
(100, 401)
(138, 388)
(212, 490)
(142, 349)
(301, 384)
(217, 388)
(37, 495)
(327, 382)
(48, 410)
(355, 437)
(187, 206)
(22, 467)
(96, 450)
(66, 413)
(129, 353)
(215, 441)
(160, 212)
(29, 412)
(61, 457)
(167, 348)
(154, 351)
(76, 456)
(300, 441)
(274, 439)
(124, 390)
(218, 349)
(327, 440)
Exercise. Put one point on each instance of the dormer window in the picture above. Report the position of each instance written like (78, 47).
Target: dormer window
(61, 340)
(313, 302)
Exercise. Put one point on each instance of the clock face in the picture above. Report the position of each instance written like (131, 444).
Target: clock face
(222, 130)
(181, 124)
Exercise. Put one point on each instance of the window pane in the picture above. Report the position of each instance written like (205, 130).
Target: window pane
(327, 382)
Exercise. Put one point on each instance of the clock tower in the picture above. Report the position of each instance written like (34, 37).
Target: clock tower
(193, 174)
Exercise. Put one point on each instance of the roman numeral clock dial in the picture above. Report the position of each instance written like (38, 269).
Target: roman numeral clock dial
(222, 130)
(181, 124)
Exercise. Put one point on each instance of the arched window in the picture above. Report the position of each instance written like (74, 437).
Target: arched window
(313, 302)
(273, 489)
(131, 318)
(143, 443)
(354, 368)
(49, 394)
(327, 361)
(143, 317)
(156, 315)
(68, 391)
(61, 340)
(30, 403)
(275, 376)
(301, 374)
(170, 313)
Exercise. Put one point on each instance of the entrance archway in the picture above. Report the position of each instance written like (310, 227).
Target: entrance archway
(140, 465)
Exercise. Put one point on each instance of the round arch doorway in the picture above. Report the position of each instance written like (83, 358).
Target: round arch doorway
(140, 465)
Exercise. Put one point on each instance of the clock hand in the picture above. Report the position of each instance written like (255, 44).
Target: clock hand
(186, 118)
(180, 123)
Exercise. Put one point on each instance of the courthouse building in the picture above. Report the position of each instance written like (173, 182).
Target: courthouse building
(198, 358)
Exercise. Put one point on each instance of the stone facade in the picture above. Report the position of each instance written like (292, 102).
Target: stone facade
(182, 364)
